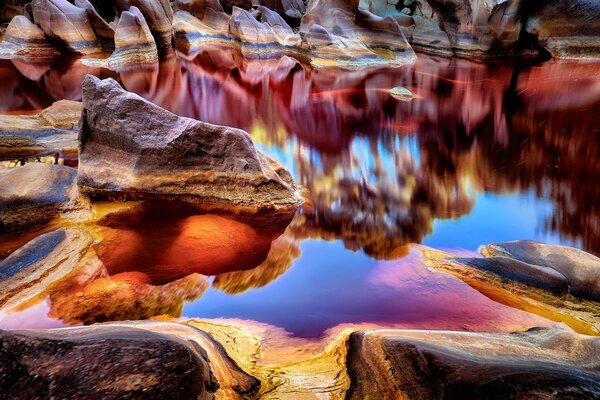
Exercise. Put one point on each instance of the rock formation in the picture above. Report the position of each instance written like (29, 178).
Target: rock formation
(134, 43)
(537, 364)
(24, 38)
(133, 360)
(35, 193)
(68, 24)
(54, 130)
(159, 16)
(130, 148)
(580, 270)
(103, 30)
(293, 9)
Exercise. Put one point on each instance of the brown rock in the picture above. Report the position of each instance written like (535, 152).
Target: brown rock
(158, 15)
(116, 361)
(130, 148)
(35, 193)
(134, 43)
(67, 23)
(537, 364)
(103, 30)
(24, 38)
(294, 9)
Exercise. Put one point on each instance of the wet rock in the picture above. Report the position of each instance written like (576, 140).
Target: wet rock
(537, 364)
(54, 130)
(68, 24)
(134, 43)
(339, 33)
(102, 29)
(29, 273)
(158, 15)
(35, 193)
(24, 38)
(133, 360)
(566, 28)
(294, 9)
(130, 148)
(401, 93)
(581, 269)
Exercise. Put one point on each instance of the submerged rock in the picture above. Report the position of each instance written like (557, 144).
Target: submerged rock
(54, 130)
(24, 38)
(132, 360)
(133, 149)
(134, 43)
(580, 269)
(35, 193)
(537, 364)
(67, 23)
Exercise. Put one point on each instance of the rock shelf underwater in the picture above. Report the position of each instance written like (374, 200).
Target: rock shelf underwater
(286, 199)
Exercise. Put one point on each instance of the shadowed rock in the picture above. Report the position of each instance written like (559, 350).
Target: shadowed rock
(133, 360)
(35, 193)
(294, 9)
(67, 23)
(102, 29)
(158, 15)
(49, 132)
(537, 364)
(24, 38)
(130, 148)
(581, 269)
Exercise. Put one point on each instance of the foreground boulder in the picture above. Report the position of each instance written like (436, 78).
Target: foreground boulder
(537, 364)
(133, 149)
(35, 193)
(52, 131)
(68, 24)
(581, 270)
(24, 38)
(115, 361)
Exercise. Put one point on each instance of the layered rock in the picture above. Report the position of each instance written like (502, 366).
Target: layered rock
(338, 32)
(134, 43)
(24, 38)
(580, 270)
(130, 148)
(68, 24)
(49, 132)
(37, 192)
(152, 359)
(103, 30)
(158, 15)
(536, 364)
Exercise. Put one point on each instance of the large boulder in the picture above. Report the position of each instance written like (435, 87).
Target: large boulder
(52, 131)
(116, 361)
(580, 269)
(133, 149)
(24, 38)
(68, 24)
(35, 193)
(134, 43)
(537, 364)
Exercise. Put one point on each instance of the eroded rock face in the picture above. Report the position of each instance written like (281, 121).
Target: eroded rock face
(134, 43)
(54, 130)
(35, 193)
(24, 38)
(580, 269)
(67, 23)
(158, 15)
(537, 364)
(102, 29)
(294, 9)
(133, 360)
(130, 148)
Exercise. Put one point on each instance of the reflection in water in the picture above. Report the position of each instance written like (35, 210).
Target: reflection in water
(378, 174)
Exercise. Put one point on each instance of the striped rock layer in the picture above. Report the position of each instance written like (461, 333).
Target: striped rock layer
(24, 38)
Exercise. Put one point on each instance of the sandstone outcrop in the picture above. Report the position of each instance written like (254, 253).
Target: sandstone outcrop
(537, 364)
(580, 270)
(293, 9)
(134, 43)
(159, 16)
(338, 32)
(133, 149)
(24, 38)
(133, 360)
(103, 30)
(35, 193)
(68, 24)
(53, 130)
